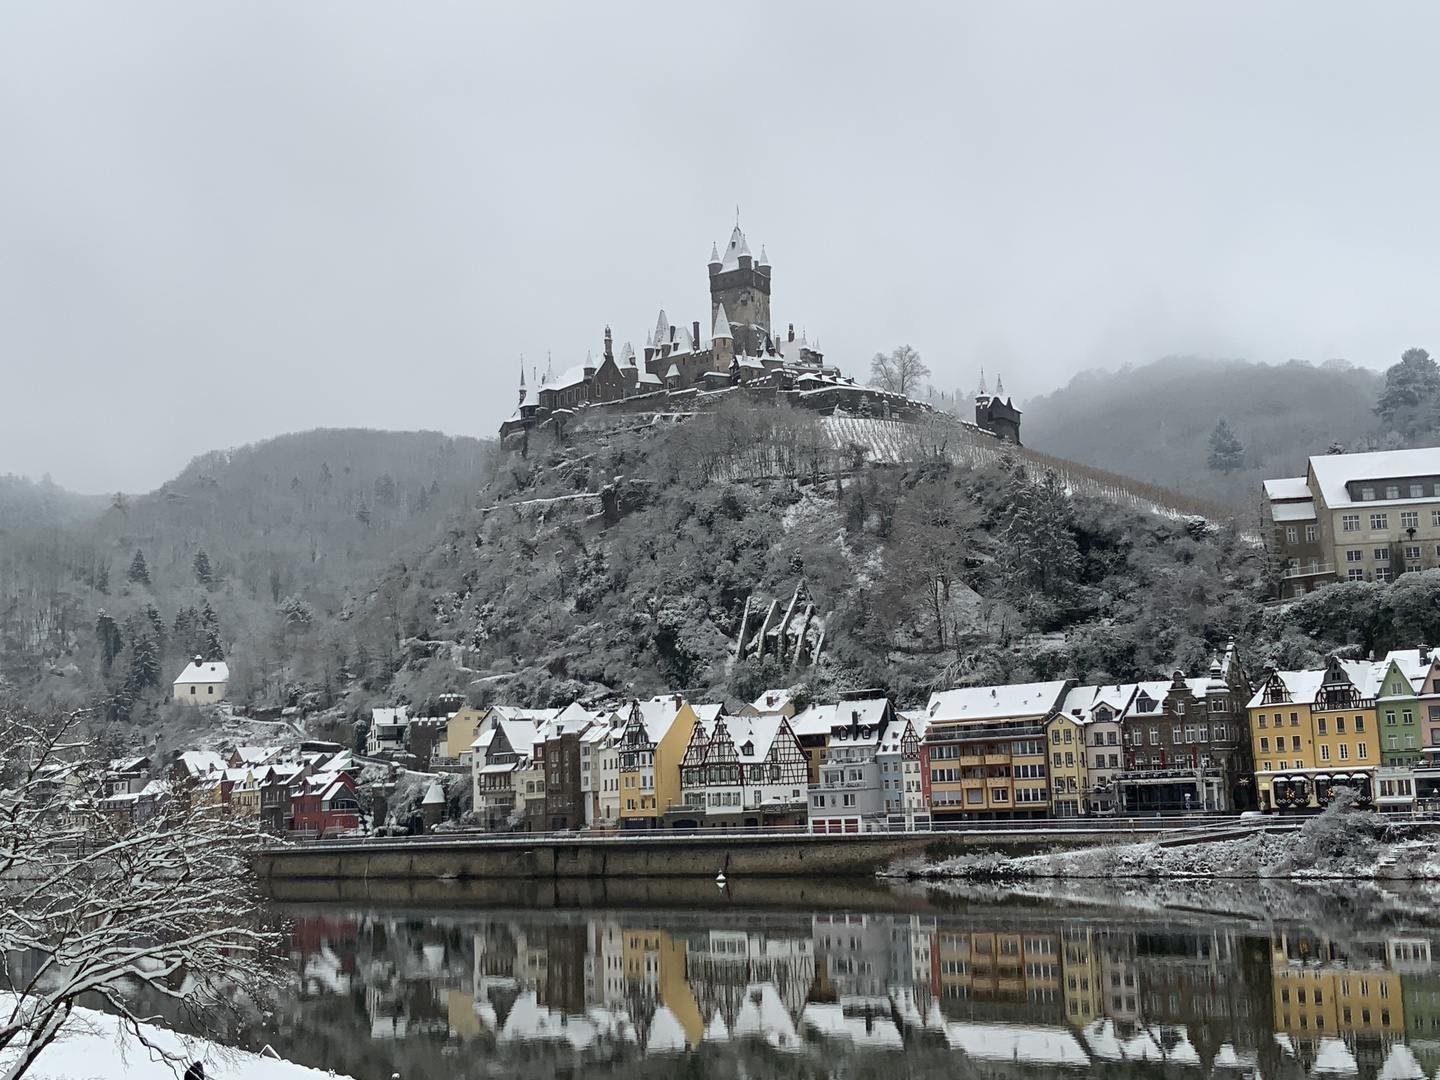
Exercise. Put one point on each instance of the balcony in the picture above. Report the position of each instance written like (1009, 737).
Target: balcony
(1308, 570)
(997, 759)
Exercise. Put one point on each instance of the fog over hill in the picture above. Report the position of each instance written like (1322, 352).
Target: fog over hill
(1154, 422)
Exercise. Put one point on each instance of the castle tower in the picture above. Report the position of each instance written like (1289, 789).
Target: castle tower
(722, 345)
(741, 287)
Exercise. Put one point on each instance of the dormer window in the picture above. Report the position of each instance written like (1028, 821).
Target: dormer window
(1367, 494)
(1392, 491)
(748, 750)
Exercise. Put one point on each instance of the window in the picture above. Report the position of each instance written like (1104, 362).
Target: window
(1069, 760)
(1354, 574)
(1110, 738)
(1344, 751)
(1324, 751)
(1339, 725)
(1392, 491)
(1114, 761)
(1412, 556)
(1354, 555)
(1055, 736)
(1382, 554)
(1409, 519)
(192, 689)
(1264, 745)
(849, 799)
(1057, 759)
(1266, 767)
(1407, 716)
(1295, 743)
(1068, 737)
(1320, 725)
(999, 794)
(1360, 751)
(1294, 719)
(1359, 724)
(1154, 736)
(1382, 573)
(1435, 518)
(1260, 719)
(1292, 534)
(1175, 734)
(1367, 494)
(975, 795)
(1350, 522)
(1417, 491)
(1390, 717)
(1394, 742)
(1312, 533)
(1379, 522)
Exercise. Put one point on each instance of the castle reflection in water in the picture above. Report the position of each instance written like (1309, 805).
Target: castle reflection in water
(1006, 991)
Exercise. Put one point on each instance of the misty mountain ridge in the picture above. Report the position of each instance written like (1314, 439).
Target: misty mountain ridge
(1154, 422)
(28, 504)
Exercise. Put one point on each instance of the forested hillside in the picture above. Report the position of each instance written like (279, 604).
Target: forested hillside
(340, 570)
(245, 553)
(1155, 422)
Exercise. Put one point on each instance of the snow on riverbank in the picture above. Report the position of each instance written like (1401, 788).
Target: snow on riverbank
(94, 1047)
(1340, 844)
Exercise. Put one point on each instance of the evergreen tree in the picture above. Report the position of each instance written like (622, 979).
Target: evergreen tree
(139, 573)
(203, 573)
(1040, 552)
(157, 626)
(1408, 404)
(1226, 453)
(102, 579)
(210, 627)
(107, 632)
(144, 660)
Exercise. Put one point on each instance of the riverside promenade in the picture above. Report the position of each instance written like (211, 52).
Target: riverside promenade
(460, 856)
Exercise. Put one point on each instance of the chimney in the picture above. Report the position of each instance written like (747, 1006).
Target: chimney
(1424, 654)
(609, 352)
(695, 333)
(791, 332)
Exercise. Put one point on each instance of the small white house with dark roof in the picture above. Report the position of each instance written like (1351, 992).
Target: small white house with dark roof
(203, 682)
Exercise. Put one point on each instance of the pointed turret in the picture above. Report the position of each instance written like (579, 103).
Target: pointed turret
(589, 364)
(722, 345)
(522, 378)
(999, 387)
(764, 263)
(743, 255)
(982, 392)
(722, 326)
(715, 263)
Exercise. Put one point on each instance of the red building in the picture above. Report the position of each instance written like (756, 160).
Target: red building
(324, 805)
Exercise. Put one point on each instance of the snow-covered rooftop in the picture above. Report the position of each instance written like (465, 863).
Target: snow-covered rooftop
(1292, 511)
(1333, 471)
(1288, 488)
(204, 671)
(1016, 702)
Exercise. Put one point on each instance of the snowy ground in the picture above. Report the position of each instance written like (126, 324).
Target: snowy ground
(1342, 844)
(93, 1047)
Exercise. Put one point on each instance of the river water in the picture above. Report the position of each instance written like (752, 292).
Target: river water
(804, 979)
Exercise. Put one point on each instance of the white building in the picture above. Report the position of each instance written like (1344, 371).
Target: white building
(203, 682)
(901, 782)
(388, 731)
(849, 798)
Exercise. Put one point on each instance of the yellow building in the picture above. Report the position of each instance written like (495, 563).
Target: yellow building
(1313, 732)
(651, 746)
(1081, 968)
(462, 729)
(1318, 992)
(1069, 774)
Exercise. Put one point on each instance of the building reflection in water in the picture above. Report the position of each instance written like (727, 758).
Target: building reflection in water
(1000, 991)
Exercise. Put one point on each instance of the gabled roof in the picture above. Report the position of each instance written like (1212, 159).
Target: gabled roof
(395, 717)
(1016, 701)
(202, 762)
(772, 701)
(757, 732)
(814, 720)
(1087, 699)
(204, 671)
(734, 250)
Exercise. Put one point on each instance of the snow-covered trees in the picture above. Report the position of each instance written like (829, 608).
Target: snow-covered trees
(899, 372)
(1038, 550)
(1410, 403)
(1226, 453)
(204, 574)
(94, 905)
(139, 573)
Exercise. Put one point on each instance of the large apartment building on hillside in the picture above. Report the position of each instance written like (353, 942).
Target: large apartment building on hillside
(1356, 517)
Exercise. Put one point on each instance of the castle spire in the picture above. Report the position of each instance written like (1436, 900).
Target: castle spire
(982, 392)
(999, 387)
(722, 326)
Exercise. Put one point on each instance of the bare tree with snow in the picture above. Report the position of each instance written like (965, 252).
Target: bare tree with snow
(900, 372)
(91, 905)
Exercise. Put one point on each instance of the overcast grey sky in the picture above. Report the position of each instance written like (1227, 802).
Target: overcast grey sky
(223, 222)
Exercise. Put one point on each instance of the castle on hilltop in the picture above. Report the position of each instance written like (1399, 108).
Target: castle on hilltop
(741, 351)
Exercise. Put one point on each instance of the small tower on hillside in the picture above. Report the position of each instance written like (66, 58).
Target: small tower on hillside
(741, 286)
